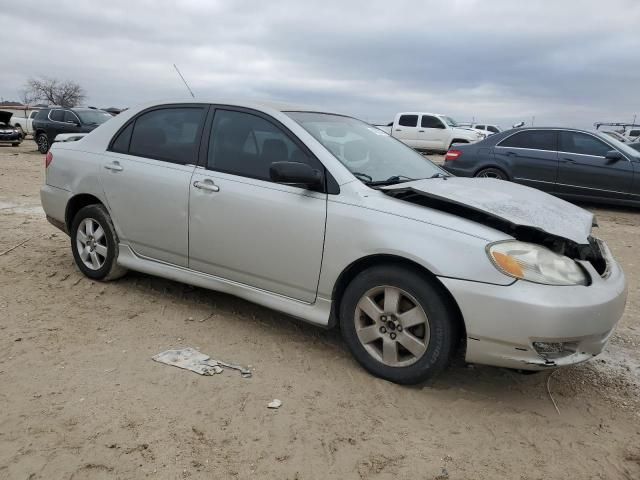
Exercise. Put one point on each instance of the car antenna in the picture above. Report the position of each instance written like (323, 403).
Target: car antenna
(185, 82)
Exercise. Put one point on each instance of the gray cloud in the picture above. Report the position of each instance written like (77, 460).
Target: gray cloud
(570, 62)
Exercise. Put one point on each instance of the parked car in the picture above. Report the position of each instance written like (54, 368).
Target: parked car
(328, 219)
(486, 129)
(24, 123)
(50, 122)
(571, 163)
(429, 131)
(618, 136)
(9, 133)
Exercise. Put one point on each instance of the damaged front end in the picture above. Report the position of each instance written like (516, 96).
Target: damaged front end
(530, 227)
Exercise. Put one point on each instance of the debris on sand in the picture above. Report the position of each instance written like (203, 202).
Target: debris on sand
(275, 403)
(191, 359)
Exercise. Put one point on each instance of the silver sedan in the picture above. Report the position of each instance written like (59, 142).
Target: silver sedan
(328, 219)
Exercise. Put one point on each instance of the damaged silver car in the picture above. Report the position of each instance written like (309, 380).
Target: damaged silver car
(328, 219)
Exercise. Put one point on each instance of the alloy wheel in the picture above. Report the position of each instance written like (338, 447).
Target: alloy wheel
(91, 243)
(392, 326)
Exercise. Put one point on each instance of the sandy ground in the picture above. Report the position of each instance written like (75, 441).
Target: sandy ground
(80, 397)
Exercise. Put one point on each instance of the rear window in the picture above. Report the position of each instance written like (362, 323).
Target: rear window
(534, 139)
(408, 120)
(168, 134)
(480, 127)
(492, 129)
(57, 115)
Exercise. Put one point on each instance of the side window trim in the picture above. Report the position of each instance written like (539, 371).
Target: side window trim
(331, 186)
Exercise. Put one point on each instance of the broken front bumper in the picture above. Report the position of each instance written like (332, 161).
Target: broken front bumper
(532, 327)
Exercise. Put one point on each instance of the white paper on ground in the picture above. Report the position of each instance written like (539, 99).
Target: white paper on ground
(191, 359)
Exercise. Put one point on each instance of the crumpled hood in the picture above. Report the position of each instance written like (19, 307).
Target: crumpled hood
(5, 117)
(516, 204)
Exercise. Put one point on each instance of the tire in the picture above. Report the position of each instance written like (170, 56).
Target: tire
(43, 143)
(22, 134)
(373, 341)
(100, 251)
(15, 144)
(492, 173)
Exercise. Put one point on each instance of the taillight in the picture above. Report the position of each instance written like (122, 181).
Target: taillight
(453, 155)
(48, 159)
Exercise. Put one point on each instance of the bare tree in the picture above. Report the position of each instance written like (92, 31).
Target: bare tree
(65, 93)
(27, 97)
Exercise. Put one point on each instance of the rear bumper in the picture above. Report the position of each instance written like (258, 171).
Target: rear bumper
(504, 322)
(54, 203)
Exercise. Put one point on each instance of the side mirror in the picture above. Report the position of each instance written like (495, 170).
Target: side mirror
(613, 155)
(295, 173)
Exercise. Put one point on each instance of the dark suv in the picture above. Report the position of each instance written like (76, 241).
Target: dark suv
(51, 121)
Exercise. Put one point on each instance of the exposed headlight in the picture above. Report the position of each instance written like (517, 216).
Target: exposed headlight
(534, 263)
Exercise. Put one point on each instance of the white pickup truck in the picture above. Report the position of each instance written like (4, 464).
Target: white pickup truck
(24, 123)
(429, 131)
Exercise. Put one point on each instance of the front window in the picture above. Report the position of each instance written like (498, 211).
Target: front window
(368, 152)
(623, 147)
(93, 117)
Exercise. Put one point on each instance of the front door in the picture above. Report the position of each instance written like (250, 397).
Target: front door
(146, 174)
(246, 228)
(585, 171)
(432, 134)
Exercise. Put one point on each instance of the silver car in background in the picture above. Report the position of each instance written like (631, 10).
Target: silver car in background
(328, 219)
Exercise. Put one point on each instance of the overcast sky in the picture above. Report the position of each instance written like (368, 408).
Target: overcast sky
(566, 62)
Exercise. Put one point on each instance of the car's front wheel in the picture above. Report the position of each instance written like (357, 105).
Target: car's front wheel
(43, 143)
(94, 243)
(398, 324)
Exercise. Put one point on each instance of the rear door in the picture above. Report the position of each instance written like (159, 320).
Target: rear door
(405, 129)
(246, 228)
(432, 134)
(585, 171)
(530, 157)
(146, 174)
(56, 123)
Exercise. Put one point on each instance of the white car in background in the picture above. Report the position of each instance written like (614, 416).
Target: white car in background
(486, 129)
(24, 123)
(429, 131)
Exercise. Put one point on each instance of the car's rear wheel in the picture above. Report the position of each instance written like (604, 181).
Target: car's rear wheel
(15, 144)
(398, 324)
(43, 143)
(492, 173)
(21, 131)
(94, 243)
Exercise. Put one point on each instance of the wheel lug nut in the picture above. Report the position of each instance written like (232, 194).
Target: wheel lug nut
(383, 330)
(399, 328)
(393, 336)
(383, 318)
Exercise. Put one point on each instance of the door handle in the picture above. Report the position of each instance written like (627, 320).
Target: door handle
(115, 167)
(568, 160)
(208, 186)
(512, 154)
(398, 129)
(421, 131)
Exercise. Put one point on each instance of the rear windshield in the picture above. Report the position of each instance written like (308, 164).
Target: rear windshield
(93, 117)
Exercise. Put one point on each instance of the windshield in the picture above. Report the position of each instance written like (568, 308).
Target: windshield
(368, 152)
(623, 147)
(450, 121)
(93, 117)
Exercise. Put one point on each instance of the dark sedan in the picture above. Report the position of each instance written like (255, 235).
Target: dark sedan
(570, 163)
